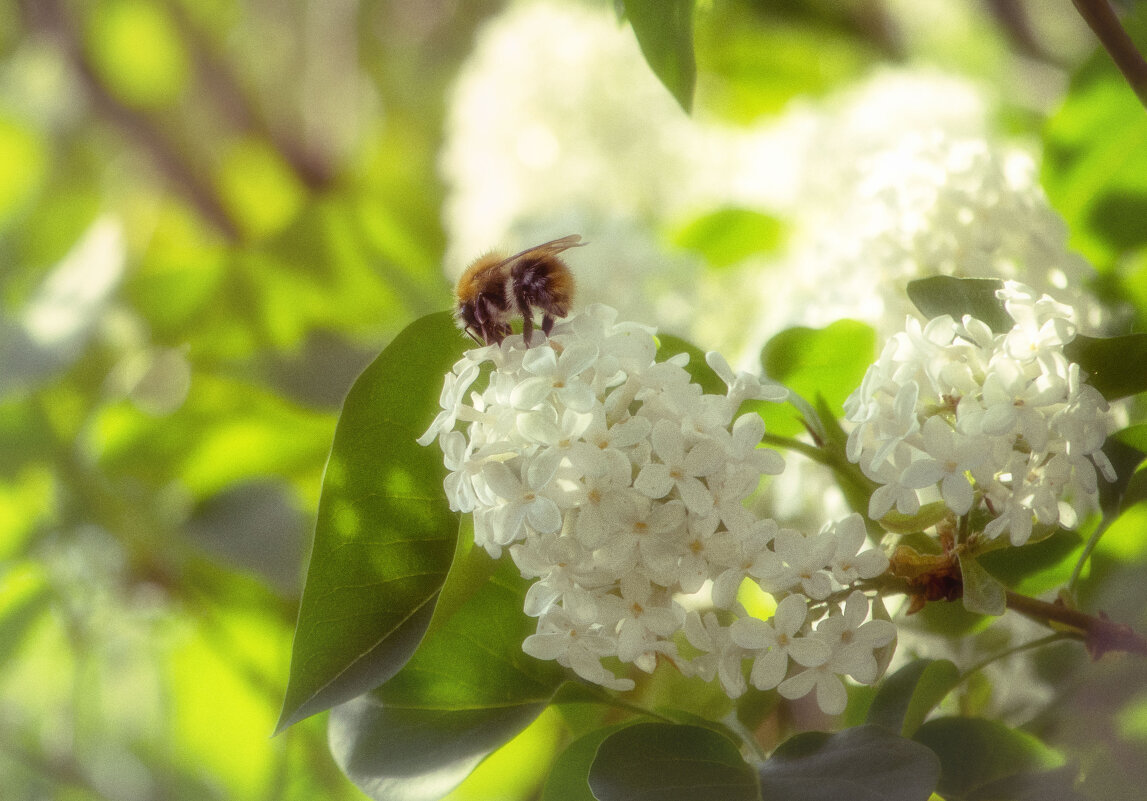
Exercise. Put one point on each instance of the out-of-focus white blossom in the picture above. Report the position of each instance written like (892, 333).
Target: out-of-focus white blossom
(619, 487)
(1000, 425)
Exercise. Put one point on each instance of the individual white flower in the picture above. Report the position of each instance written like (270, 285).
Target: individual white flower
(853, 639)
(575, 645)
(831, 695)
(798, 559)
(721, 657)
(849, 564)
(777, 641)
(680, 468)
(948, 459)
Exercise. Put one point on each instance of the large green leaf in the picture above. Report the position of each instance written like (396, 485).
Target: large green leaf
(828, 363)
(1116, 366)
(466, 691)
(944, 294)
(907, 696)
(865, 763)
(385, 536)
(664, 29)
(975, 752)
(1095, 157)
(568, 779)
(670, 763)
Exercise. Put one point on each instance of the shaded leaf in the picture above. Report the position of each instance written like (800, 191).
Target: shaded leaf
(569, 776)
(664, 29)
(1052, 785)
(465, 692)
(944, 294)
(1116, 366)
(907, 696)
(697, 368)
(385, 536)
(865, 763)
(670, 763)
(974, 752)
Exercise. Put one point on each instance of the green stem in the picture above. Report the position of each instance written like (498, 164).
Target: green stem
(1088, 547)
(1027, 646)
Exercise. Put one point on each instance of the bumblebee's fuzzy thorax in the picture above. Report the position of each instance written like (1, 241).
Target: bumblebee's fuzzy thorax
(494, 288)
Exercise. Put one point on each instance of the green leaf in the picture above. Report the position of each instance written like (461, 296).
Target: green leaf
(828, 362)
(907, 696)
(670, 763)
(974, 752)
(1051, 785)
(1095, 157)
(983, 593)
(664, 29)
(1116, 366)
(865, 763)
(569, 776)
(697, 368)
(385, 536)
(730, 235)
(465, 692)
(944, 294)
(928, 515)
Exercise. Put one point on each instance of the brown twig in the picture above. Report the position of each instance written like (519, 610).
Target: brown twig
(1102, 20)
(1099, 634)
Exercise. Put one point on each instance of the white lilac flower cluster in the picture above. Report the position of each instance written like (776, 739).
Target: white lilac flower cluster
(618, 485)
(1000, 424)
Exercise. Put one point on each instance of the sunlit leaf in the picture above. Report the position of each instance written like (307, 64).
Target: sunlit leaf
(828, 362)
(974, 752)
(866, 763)
(467, 690)
(730, 235)
(983, 592)
(1095, 157)
(138, 51)
(259, 189)
(944, 294)
(905, 698)
(23, 159)
(756, 63)
(664, 29)
(671, 763)
(385, 536)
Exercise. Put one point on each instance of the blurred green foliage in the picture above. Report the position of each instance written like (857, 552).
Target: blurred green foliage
(212, 216)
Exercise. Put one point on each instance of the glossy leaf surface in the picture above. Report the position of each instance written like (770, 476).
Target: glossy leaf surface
(385, 536)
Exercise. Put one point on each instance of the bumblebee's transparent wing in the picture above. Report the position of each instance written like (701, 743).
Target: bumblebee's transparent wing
(551, 248)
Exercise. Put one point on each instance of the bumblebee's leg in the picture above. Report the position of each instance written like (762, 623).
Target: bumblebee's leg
(486, 320)
(547, 324)
(527, 327)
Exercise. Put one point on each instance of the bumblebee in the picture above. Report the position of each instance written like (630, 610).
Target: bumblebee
(494, 288)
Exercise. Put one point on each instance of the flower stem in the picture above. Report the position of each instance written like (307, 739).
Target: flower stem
(1092, 541)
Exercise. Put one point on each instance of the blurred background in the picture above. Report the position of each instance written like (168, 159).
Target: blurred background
(214, 213)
